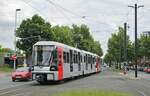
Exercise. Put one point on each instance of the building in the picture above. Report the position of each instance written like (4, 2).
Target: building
(6, 58)
(146, 33)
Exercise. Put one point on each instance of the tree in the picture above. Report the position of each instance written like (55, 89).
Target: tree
(63, 34)
(36, 26)
(76, 36)
(115, 51)
(144, 46)
(97, 48)
(1, 48)
(144, 49)
(108, 58)
(84, 40)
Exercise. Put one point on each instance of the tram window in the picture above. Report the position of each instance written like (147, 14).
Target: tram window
(93, 60)
(84, 59)
(71, 57)
(64, 57)
(79, 67)
(80, 58)
(88, 59)
(67, 57)
(86, 66)
(40, 55)
(74, 56)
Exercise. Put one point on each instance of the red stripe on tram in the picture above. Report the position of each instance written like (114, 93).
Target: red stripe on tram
(60, 63)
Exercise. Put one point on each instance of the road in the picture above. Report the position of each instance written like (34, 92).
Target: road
(106, 80)
(6, 82)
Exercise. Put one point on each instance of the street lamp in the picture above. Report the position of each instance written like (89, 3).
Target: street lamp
(136, 42)
(15, 36)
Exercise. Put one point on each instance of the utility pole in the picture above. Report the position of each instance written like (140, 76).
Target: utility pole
(136, 43)
(15, 37)
(125, 43)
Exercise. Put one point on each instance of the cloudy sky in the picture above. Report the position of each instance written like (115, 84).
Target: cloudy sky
(102, 16)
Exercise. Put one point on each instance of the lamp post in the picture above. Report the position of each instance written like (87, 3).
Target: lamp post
(136, 42)
(15, 37)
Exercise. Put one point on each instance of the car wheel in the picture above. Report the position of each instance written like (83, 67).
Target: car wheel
(13, 80)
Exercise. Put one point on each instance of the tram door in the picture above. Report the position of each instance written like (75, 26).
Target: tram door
(71, 62)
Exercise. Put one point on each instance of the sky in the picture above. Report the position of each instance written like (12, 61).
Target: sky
(102, 16)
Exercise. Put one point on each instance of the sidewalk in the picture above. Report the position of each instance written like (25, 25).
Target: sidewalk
(2, 74)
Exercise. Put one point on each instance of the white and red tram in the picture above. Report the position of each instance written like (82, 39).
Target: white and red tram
(53, 61)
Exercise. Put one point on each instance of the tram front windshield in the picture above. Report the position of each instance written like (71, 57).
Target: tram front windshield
(43, 55)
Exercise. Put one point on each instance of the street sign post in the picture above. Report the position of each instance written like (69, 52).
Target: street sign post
(14, 57)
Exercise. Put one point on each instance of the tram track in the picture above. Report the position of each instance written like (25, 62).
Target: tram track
(21, 90)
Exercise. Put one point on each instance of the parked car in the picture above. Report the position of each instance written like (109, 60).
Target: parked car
(145, 69)
(22, 73)
(140, 68)
(148, 70)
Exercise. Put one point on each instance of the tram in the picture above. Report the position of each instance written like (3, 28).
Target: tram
(54, 61)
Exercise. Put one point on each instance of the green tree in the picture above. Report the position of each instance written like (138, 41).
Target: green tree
(63, 34)
(36, 26)
(144, 48)
(76, 36)
(1, 48)
(144, 44)
(84, 40)
(116, 47)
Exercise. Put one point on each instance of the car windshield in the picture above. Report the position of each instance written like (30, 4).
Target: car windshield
(42, 55)
(22, 69)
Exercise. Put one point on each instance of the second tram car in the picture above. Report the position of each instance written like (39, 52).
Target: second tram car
(53, 61)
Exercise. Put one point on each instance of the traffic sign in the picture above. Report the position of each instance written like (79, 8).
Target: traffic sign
(14, 57)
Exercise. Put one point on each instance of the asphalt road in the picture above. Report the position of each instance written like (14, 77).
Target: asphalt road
(106, 80)
(6, 82)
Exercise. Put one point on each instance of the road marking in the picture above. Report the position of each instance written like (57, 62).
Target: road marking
(21, 94)
(11, 86)
(9, 91)
(142, 93)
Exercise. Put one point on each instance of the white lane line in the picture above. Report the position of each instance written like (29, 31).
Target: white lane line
(9, 91)
(21, 94)
(142, 93)
(30, 82)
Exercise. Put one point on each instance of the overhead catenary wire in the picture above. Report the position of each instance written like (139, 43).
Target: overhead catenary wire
(65, 9)
(60, 10)
(36, 9)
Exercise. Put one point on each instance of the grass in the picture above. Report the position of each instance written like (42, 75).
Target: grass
(91, 93)
(6, 69)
